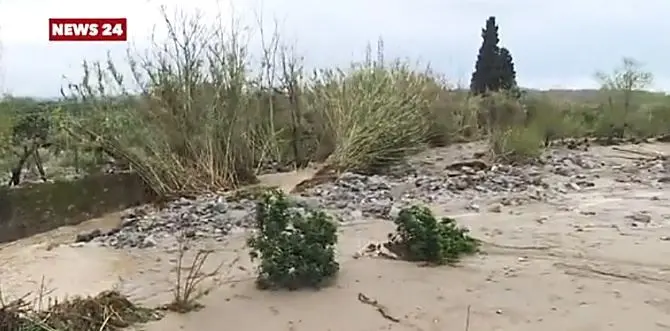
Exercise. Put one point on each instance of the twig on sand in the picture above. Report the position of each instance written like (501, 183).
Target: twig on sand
(646, 154)
(380, 308)
(467, 319)
(521, 248)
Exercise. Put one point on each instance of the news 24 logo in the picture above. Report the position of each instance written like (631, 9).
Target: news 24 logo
(88, 29)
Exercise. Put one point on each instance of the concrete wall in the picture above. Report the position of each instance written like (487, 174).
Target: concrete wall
(41, 207)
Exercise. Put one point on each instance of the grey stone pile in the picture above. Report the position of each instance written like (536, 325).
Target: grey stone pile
(354, 195)
(204, 217)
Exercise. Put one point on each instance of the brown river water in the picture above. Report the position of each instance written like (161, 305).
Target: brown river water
(551, 268)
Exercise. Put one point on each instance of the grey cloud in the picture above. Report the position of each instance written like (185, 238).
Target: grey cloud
(554, 43)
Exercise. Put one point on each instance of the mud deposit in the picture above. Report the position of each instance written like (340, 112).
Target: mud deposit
(578, 242)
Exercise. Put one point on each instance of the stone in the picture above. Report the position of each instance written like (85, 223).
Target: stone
(495, 208)
(640, 217)
(87, 236)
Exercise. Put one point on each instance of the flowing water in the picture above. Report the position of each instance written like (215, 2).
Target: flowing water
(576, 266)
(50, 262)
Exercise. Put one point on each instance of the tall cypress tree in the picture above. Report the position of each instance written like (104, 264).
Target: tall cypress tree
(486, 67)
(494, 69)
(507, 72)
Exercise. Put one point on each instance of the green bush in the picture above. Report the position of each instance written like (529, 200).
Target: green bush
(420, 236)
(295, 250)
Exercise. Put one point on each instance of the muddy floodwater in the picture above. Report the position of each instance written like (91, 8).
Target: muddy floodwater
(595, 258)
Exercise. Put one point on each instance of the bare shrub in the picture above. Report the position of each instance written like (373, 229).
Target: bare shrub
(189, 278)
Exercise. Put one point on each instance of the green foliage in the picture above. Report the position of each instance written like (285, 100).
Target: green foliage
(494, 69)
(499, 110)
(507, 72)
(454, 117)
(33, 126)
(516, 144)
(420, 236)
(295, 250)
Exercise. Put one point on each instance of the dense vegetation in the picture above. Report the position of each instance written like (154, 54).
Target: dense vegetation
(209, 117)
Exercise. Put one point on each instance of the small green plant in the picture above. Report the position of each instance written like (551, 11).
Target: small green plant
(295, 249)
(420, 236)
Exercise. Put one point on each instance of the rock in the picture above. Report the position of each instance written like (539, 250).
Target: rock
(87, 236)
(640, 217)
(574, 186)
(357, 215)
(305, 202)
(658, 167)
(149, 241)
(495, 208)
(541, 220)
(563, 171)
(473, 207)
(129, 221)
(394, 212)
(584, 183)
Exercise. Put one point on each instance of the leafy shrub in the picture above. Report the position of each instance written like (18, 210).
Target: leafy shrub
(295, 250)
(420, 236)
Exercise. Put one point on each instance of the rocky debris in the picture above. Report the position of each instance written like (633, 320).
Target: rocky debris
(646, 170)
(570, 164)
(371, 195)
(377, 196)
(430, 180)
(351, 197)
(204, 217)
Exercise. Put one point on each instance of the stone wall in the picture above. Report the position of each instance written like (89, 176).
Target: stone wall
(36, 208)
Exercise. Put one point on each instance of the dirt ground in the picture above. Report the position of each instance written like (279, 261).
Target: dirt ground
(582, 262)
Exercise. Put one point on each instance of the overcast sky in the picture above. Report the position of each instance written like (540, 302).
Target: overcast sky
(555, 44)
